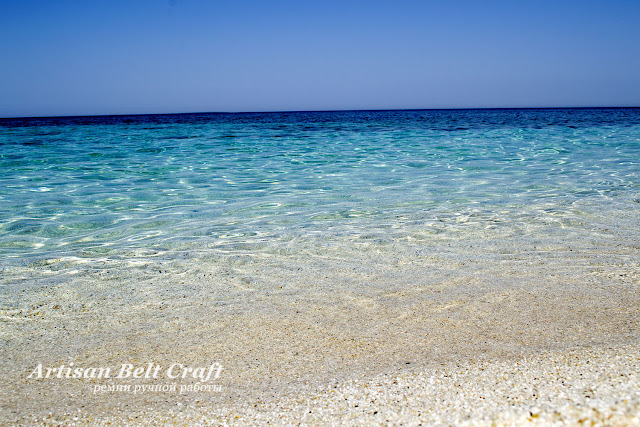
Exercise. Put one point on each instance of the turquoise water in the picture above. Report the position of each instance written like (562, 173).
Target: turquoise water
(117, 185)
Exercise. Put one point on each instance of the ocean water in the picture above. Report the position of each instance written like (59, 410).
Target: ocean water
(123, 186)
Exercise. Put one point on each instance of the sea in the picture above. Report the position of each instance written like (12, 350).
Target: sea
(89, 188)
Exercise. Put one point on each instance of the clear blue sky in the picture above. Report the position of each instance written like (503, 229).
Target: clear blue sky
(144, 56)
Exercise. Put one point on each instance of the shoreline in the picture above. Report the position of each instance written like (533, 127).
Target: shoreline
(286, 344)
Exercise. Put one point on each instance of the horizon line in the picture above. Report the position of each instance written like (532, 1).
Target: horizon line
(316, 111)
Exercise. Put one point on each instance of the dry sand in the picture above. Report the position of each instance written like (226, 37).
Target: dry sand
(578, 387)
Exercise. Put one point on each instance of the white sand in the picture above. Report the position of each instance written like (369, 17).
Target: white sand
(409, 337)
(580, 387)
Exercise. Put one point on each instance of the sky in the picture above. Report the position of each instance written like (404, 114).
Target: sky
(94, 57)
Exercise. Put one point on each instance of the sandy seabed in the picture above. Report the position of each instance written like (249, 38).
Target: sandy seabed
(330, 333)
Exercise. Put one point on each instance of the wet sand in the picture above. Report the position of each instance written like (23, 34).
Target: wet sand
(358, 335)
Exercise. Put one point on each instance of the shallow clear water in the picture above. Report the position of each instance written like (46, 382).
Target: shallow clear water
(118, 185)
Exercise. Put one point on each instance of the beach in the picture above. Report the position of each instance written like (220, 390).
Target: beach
(336, 269)
(500, 329)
